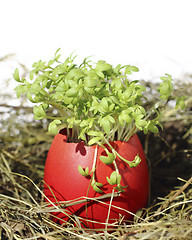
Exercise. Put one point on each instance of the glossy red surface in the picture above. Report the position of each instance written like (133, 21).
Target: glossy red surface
(62, 176)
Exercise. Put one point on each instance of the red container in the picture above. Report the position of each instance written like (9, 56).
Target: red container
(66, 183)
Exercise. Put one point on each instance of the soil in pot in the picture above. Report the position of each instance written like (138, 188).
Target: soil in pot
(63, 182)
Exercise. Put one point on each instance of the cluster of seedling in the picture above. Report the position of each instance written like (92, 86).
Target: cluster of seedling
(97, 101)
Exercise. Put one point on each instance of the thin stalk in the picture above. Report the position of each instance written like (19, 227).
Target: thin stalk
(152, 109)
(120, 133)
(131, 133)
(60, 107)
(112, 133)
(54, 118)
(174, 110)
(128, 132)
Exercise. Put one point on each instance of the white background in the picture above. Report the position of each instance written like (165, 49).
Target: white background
(154, 35)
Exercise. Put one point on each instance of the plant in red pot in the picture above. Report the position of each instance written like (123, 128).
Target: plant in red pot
(96, 174)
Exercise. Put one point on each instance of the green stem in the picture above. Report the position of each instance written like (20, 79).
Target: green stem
(60, 107)
(174, 110)
(120, 132)
(53, 118)
(116, 168)
(112, 133)
(132, 132)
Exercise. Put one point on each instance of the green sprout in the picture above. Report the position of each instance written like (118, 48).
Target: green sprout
(83, 172)
(98, 101)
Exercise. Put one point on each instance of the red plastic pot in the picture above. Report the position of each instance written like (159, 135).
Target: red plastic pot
(66, 183)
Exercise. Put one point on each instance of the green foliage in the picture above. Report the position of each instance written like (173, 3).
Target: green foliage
(53, 128)
(166, 87)
(91, 98)
(85, 172)
(96, 186)
(109, 159)
(115, 179)
(97, 100)
(16, 75)
(180, 103)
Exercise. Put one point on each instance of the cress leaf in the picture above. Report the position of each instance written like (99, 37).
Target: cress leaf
(180, 103)
(16, 75)
(107, 160)
(94, 140)
(114, 179)
(72, 92)
(105, 123)
(99, 184)
(53, 129)
(85, 172)
(95, 185)
(20, 90)
(129, 69)
(135, 162)
(152, 127)
(39, 112)
(120, 188)
(102, 66)
(29, 96)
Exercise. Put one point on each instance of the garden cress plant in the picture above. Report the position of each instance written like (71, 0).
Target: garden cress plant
(97, 102)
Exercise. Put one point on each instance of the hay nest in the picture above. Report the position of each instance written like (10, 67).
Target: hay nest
(24, 144)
